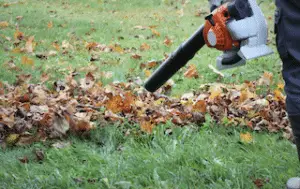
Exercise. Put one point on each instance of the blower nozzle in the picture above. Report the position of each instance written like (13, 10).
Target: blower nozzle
(185, 52)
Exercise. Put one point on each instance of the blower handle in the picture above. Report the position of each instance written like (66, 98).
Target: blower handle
(185, 52)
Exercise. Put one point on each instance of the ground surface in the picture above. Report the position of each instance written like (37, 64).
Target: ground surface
(208, 157)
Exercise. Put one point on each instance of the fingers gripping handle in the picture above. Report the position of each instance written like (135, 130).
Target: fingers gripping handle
(176, 60)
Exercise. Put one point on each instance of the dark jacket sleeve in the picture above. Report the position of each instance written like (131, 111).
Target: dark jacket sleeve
(295, 2)
(287, 20)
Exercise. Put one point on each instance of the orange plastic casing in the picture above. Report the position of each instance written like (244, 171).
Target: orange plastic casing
(224, 40)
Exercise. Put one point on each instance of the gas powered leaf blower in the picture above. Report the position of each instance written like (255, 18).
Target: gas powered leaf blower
(238, 28)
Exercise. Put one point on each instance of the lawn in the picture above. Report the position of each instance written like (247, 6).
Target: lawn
(207, 155)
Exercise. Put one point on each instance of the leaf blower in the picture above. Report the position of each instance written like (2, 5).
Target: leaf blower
(237, 28)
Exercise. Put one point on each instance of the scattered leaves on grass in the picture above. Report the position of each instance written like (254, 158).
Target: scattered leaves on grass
(5, 5)
(33, 112)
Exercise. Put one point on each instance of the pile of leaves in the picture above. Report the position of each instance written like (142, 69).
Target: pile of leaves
(34, 112)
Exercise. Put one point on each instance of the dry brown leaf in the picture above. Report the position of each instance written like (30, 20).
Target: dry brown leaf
(151, 64)
(23, 78)
(26, 140)
(82, 126)
(280, 86)
(44, 77)
(266, 79)
(39, 154)
(19, 18)
(4, 24)
(136, 56)
(50, 25)
(66, 45)
(147, 73)
(5, 5)
(115, 104)
(141, 27)
(191, 72)
(59, 127)
(5, 37)
(144, 47)
(107, 75)
(39, 95)
(155, 32)
(87, 82)
(278, 95)
(168, 42)
(27, 61)
(17, 50)
(200, 106)
(60, 144)
(118, 104)
(117, 48)
(215, 91)
(56, 46)
(24, 159)
(18, 35)
(246, 137)
(180, 12)
(29, 45)
(91, 46)
(12, 139)
(147, 126)
(245, 95)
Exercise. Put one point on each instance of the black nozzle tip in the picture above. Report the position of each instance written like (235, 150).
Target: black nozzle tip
(150, 88)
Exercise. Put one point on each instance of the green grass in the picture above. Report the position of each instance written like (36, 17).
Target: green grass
(207, 158)
(192, 157)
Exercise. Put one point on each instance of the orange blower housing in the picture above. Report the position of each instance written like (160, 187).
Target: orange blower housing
(215, 33)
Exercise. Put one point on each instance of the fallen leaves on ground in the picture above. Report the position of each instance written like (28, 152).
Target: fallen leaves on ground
(33, 112)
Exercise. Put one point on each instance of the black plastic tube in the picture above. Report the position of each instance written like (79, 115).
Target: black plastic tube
(176, 60)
